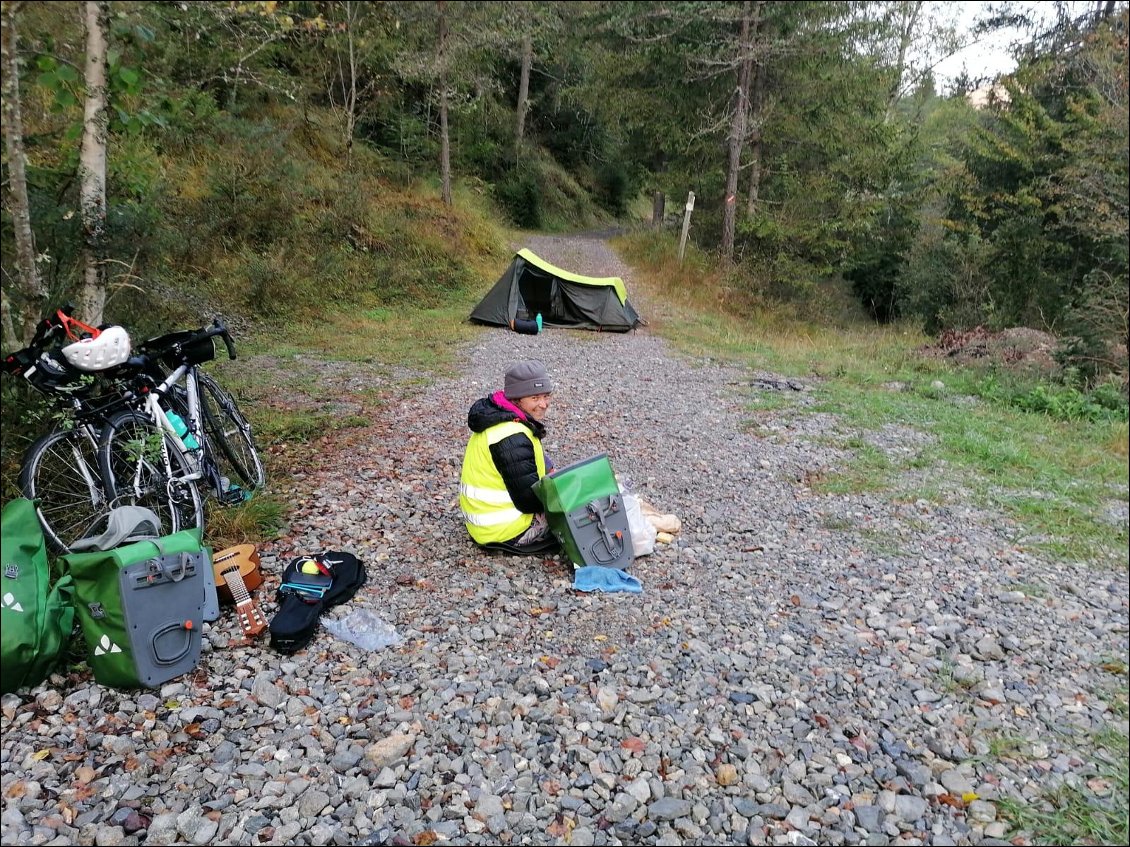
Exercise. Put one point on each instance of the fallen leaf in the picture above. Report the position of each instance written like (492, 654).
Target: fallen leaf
(84, 774)
(600, 638)
(550, 661)
(84, 792)
(40, 755)
(561, 827)
(636, 745)
(425, 838)
(969, 797)
(950, 800)
(16, 790)
(726, 774)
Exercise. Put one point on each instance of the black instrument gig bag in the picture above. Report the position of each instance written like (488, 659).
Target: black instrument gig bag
(310, 585)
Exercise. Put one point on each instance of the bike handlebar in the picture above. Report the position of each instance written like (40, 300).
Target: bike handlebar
(224, 334)
(59, 320)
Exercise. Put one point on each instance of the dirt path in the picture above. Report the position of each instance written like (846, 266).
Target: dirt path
(800, 668)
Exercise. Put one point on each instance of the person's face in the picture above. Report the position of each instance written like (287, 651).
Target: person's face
(535, 406)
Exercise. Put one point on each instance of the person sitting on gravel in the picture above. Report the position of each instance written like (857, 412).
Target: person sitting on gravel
(503, 460)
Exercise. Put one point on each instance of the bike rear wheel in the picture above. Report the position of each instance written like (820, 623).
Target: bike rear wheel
(61, 472)
(229, 434)
(129, 455)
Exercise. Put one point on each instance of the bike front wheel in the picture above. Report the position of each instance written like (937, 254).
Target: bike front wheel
(229, 434)
(136, 473)
(61, 473)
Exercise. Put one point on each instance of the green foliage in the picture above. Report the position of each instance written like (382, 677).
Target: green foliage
(1105, 403)
(614, 187)
(1028, 225)
(519, 194)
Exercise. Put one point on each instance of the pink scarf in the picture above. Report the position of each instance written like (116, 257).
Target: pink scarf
(499, 399)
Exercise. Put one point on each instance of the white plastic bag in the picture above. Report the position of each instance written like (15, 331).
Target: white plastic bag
(643, 533)
(363, 628)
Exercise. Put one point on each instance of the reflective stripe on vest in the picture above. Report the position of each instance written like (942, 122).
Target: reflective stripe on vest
(488, 511)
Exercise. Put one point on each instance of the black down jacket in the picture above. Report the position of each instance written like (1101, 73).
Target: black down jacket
(514, 455)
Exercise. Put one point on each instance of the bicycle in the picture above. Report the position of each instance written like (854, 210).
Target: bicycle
(184, 430)
(59, 471)
(108, 453)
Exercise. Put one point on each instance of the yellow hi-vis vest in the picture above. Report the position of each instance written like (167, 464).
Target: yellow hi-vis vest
(488, 511)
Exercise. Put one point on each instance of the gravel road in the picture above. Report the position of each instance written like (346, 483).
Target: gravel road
(800, 669)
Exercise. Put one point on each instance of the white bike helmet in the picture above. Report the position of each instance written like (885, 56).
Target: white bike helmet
(109, 348)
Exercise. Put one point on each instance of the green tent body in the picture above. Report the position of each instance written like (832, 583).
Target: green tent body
(532, 286)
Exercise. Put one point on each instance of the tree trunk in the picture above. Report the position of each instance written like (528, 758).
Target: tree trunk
(92, 164)
(444, 141)
(909, 18)
(19, 318)
(737, 138)
(351, 87)
(524, 90)
(658, 204)
(756, 111)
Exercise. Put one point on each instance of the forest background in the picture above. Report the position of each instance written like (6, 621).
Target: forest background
(279, 162)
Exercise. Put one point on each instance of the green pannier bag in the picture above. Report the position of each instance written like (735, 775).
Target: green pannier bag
(141, 607)
(585, 510)
(37, 617)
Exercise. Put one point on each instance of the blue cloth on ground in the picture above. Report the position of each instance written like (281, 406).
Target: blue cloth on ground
(598, 578)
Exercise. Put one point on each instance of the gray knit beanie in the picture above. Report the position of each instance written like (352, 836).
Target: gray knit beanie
(525, 379)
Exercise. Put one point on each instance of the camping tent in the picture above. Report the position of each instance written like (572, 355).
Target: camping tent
(532, 286)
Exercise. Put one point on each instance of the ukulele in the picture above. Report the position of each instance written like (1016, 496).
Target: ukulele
(237, 570)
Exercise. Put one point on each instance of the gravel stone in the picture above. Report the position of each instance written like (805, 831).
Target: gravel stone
(803, 665)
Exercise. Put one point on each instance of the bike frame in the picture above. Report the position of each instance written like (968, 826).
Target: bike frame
(193, 458)
(93, 479)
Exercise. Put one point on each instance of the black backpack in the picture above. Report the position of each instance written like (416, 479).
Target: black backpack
(310, 585)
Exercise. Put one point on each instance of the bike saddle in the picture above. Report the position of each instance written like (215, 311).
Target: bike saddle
(124, 523)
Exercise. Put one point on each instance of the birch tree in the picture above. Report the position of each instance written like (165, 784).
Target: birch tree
(347, 73)
(20, 318)
(737, 133)
(524, 89)
(441, 84)
(92, 163)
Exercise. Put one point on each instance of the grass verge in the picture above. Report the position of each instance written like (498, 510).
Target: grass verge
(1062, 483)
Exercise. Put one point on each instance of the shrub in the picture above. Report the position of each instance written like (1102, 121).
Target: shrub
(519, 195)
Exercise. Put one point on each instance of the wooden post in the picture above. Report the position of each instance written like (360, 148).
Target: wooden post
(658, 203)
(686, 224)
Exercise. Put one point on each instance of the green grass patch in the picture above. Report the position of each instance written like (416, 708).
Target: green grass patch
(254, 520)
(1094, 812)
(1050, 463)
(274, 426)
